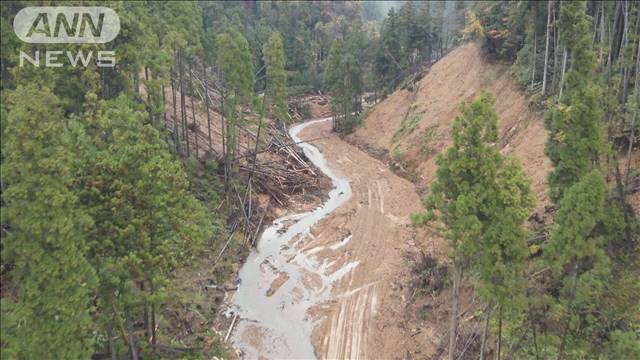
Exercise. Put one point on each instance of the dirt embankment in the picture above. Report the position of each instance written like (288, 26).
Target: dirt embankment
(414, 126)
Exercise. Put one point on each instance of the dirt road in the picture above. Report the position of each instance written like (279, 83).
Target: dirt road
(363, 317)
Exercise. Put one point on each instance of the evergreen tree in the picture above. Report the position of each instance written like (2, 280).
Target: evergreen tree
(234, 60)
(89, 188)
(576, 130)
(502, 249)
(344, 77)
(45, 245)
(145, 221)
(427, 40)
(577, 248)
(411, 34)
(387, 58)
(276, 77)
(482, 200)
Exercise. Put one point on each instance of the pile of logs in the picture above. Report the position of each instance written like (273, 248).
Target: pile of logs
(194, 121)
(297, 104)
(287, 174)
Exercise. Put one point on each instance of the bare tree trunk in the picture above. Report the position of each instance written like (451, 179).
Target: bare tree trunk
(255, 150)
(176, 131)
(546, 49)
(625, 41)
(206, 100)
(633, 117)
(533, 328)
(164, 104)
(112, 344)
(149, 105)
(146, 314)
(485, 332)
(567, 317)
(133, 353)
(602, 31)
(453, 325)
(612, 48)
(533, 59)
(556, 50)
(183, 106)
(193, 112)
(596, 18)
(499, 346)
(153, 320)
(225, 156)
(564, 67)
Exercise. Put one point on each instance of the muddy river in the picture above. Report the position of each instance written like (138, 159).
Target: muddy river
(279, 283)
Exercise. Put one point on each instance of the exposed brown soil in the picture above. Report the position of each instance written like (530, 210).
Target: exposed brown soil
(365, 317)
(375, 312)
(277, 283)
(428, 114)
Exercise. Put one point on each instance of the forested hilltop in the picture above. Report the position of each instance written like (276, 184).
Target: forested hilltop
(132, 195)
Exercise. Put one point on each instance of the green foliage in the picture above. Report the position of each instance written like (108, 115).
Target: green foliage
(482, 200)
(235, 62)
(307, 29)
(576, 130)
(276, 77)
(624, 345)
(429, 135)
(479, 203)
(576, 254)
(579, 213)
(146, 221)
(509, 26)
(407, 125)
(45, 245)
(345, 78)
(98, 213)
(413, 34)
(503, 250)
(234, 59)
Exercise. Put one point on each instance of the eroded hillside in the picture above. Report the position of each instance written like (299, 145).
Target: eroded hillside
(414, 126)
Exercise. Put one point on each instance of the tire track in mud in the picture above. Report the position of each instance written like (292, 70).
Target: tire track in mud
(337, 300)
(363, 317)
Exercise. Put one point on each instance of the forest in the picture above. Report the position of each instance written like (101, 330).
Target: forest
(137, 197)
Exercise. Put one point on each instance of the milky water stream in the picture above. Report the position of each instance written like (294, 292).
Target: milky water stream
(285, 329)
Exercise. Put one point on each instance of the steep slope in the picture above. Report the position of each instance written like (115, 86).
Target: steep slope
(414, 126)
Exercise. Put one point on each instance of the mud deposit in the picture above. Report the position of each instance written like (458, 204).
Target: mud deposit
(279, 282)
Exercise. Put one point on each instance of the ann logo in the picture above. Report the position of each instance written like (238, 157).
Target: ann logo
(64, 24)
(41, 25)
